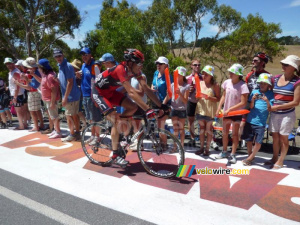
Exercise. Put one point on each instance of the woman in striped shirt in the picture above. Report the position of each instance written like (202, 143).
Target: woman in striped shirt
(286, 98)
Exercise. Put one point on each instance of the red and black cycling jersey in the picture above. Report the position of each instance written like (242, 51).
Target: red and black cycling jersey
(111, 79)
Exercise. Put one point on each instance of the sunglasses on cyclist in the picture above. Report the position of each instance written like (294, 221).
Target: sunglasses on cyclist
(197, 65)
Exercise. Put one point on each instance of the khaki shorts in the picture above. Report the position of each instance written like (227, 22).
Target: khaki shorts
(34, 101)
(282, 123)
(53, 113)
(72, 108)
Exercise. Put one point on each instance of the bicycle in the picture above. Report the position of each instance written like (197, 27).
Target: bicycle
(156, 157)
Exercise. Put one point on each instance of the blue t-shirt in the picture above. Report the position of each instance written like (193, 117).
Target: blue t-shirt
(87, 76)
(259, 113)
(66, 71)
(34, 83)
(160, 84)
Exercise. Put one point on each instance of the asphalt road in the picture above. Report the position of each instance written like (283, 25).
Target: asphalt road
(26, 202)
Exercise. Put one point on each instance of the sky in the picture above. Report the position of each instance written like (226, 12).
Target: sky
(284, 12)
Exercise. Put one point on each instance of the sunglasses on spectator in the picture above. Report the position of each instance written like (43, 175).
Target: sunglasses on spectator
(160, 63)
(84, 54)
(285, 65)
(58, 56)
(255, 60)
(196, 64)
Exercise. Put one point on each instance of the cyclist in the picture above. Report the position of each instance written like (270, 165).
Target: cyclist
(107, 96)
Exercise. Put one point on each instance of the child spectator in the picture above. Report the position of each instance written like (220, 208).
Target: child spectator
(206, 107)
(260, 105)
(234, 97)
(178, 106)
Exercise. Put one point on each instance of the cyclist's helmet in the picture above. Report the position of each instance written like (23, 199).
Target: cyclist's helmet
(262, 56)
(134, 55)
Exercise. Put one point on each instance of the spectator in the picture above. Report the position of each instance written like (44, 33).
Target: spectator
(34, 97)
(235, 95)
(178, 106)
(159, 86)
(89, 70)
(260, 104)
(70, 95)
(77, 67)
(192, 101)
(206, 108)
(50, 96)
(286, 98)
(19, 65)
(4, 103)
(16, 93)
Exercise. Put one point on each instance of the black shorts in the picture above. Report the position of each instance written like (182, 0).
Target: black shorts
(253, 131)
(234, 118)
(178, 113)
(20, 101)
(191, 109)
(25, 97)
(4, 101)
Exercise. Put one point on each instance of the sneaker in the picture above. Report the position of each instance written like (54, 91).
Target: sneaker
(69, 138)
(3, 126)
(10, 123)
(47, 131)
(94, 141)
(232, 159)
(52, 133)
(120, 161)
(191, 142)
(89, 140)
(221, 155)
(77, 136)
(56, 135)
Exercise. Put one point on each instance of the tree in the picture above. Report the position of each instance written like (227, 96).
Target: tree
(191, 13)
(161, 22)
(252, 35)
(35, 25)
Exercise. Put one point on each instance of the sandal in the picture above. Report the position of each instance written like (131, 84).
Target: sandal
(206, 153)
(199, 152)
(277, 167)
(247, 162)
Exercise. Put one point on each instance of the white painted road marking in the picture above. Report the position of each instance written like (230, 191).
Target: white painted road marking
(40, 208)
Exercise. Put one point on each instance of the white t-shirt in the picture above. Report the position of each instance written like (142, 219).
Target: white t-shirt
(11, 85)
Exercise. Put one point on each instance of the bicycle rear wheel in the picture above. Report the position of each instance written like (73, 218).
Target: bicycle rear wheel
(158, 158)
(100, 151)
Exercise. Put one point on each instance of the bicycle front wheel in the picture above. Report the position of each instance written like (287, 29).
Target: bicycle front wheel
(160, 153)
(97, 149)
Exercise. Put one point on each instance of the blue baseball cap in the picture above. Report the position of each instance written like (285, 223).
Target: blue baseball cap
(45, 64)
(85, 50)
(107, 57)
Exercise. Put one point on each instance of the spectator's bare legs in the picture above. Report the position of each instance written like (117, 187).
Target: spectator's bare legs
(226, 127)
(8, 114)
(209, 134)
(35, 121)
(3, 117)
(235, 136)
(181, 123)
(40, 118)
(161, 124)
(202, 124)
(284, 140)
(82, 118)
(56, 123)
(191, 126)
(276, 146)
(21, 118)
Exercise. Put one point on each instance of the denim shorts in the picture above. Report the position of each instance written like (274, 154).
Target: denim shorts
(206, 118)
(253, 131)
(87, 105)
(178, 113)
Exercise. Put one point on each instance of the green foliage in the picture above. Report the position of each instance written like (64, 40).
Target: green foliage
(31, 27)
